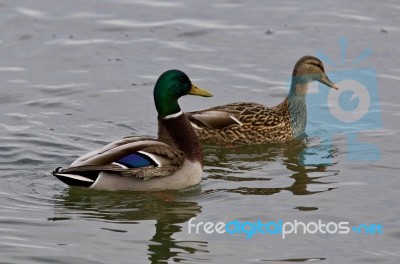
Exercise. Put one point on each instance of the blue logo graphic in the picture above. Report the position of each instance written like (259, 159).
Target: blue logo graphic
(282, 228)
(349, 111)
(371, 229)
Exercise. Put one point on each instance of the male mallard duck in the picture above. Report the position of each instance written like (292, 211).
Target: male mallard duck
(252, 123)
(173, 161)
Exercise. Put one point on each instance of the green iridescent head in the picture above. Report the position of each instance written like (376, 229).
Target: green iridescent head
(170, 86)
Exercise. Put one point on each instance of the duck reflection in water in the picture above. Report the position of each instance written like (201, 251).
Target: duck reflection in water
(233, 163)
(170, 210)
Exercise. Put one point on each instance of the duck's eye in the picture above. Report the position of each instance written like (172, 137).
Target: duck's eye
(318, 65)
(182, 79)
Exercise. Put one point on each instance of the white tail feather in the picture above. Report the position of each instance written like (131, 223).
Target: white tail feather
(76, 177)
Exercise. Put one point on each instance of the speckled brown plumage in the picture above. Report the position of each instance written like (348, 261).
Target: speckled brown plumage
(253, 123)
(260, 124)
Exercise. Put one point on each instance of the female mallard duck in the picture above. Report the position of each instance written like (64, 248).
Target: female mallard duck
(173, 161)
(252, 123)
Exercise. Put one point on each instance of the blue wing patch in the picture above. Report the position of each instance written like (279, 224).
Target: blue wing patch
(137, 160)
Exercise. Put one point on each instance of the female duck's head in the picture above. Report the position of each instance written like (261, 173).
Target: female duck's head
(170, 86)
(308, 69)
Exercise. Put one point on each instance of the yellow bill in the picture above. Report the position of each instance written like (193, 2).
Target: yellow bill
(198, 91)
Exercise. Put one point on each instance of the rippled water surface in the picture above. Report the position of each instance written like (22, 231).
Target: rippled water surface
(76, 75)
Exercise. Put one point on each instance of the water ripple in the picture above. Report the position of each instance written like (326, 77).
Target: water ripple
(13, 128)
(349, 16)
(60, 102)
(31, 12)
(75, 15)
(188, 22)
(150, 3)
(12, 69)
(74, 42)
